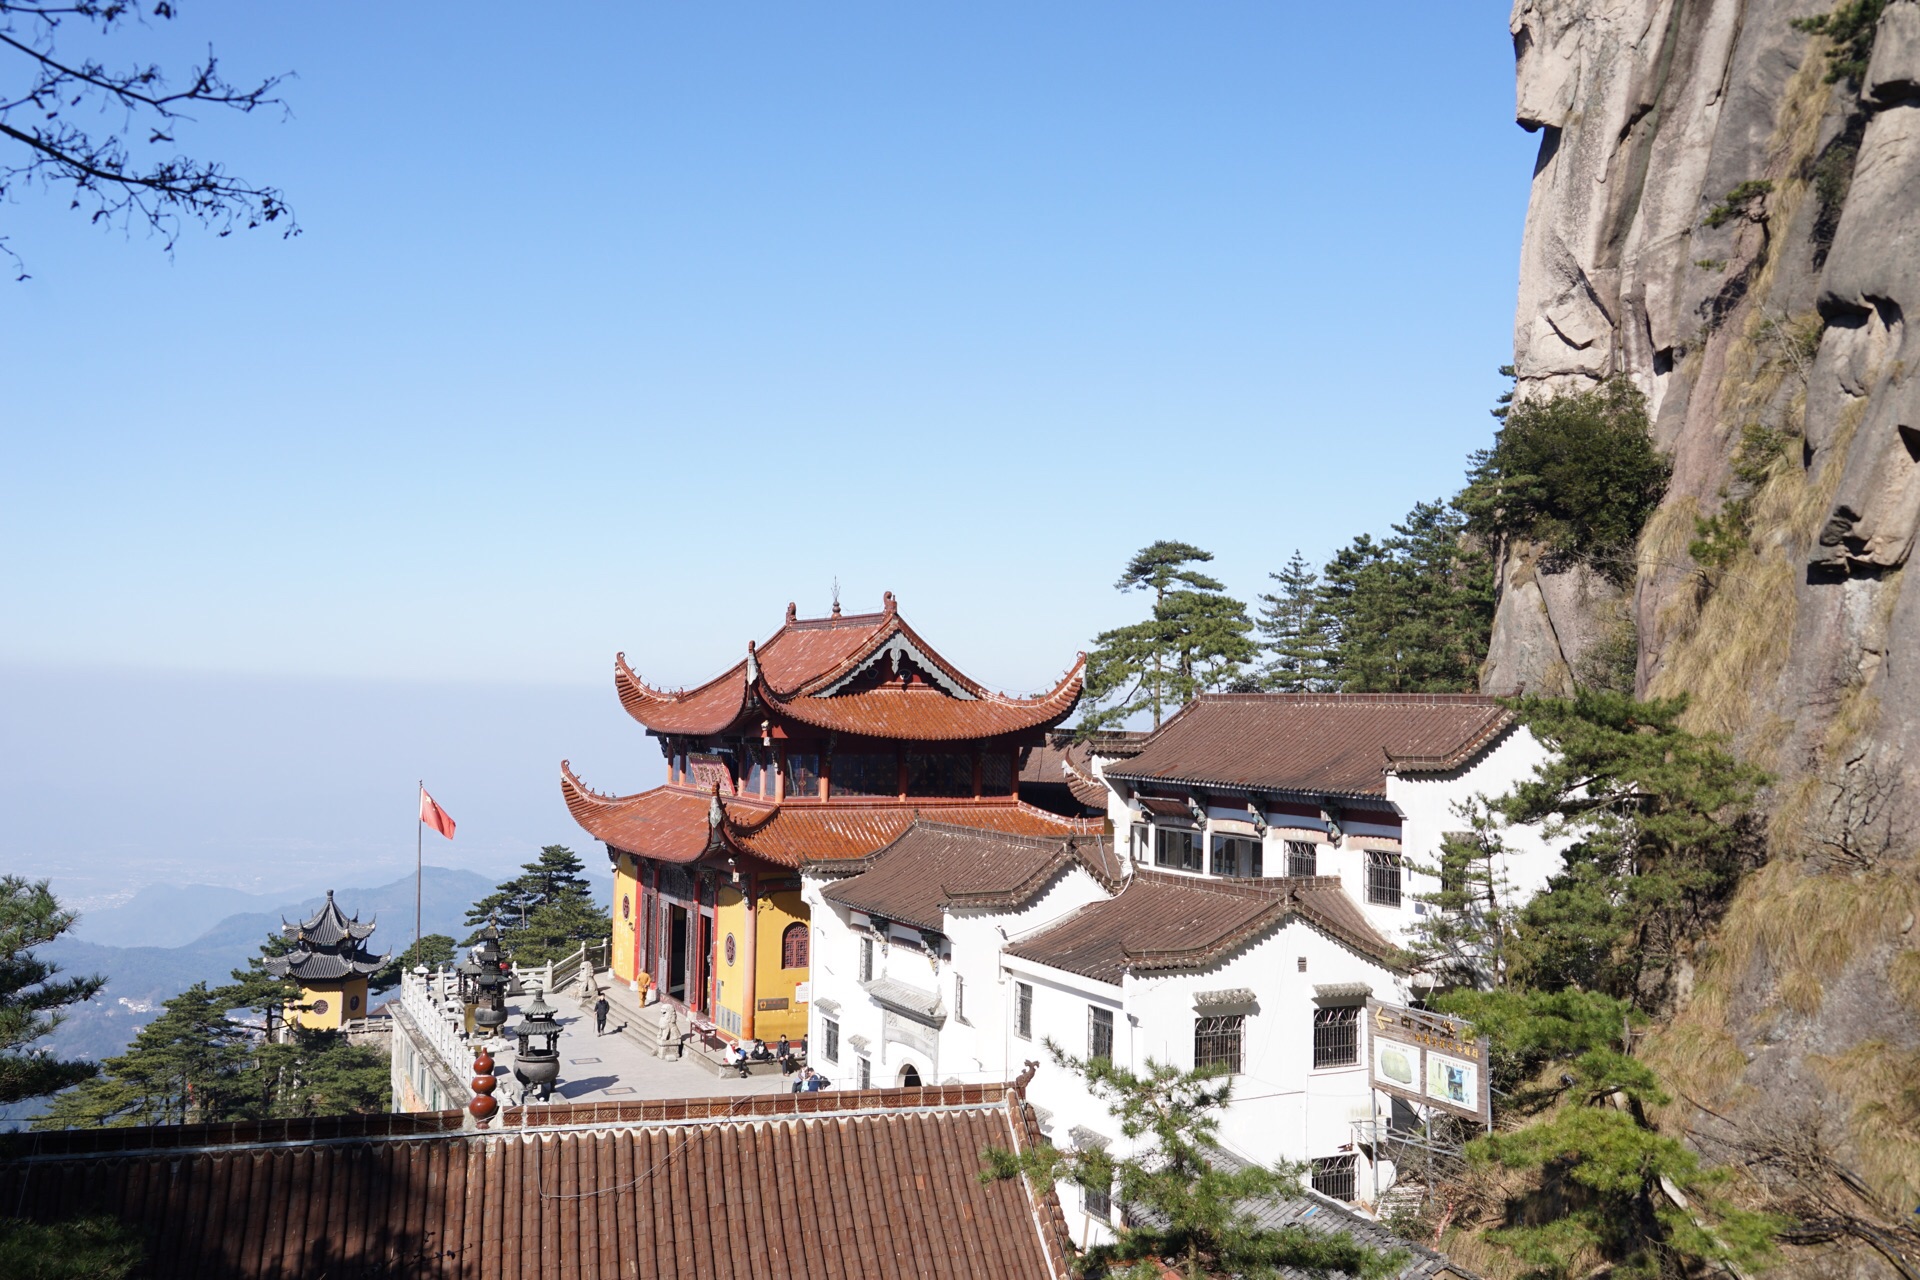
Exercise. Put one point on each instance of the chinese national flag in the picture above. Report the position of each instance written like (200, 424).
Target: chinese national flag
(434, 816)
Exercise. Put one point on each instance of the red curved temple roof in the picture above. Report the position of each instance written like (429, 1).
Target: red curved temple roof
(863, 674)
(674, 824)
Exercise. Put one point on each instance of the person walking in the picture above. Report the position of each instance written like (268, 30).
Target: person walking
(600, 1011)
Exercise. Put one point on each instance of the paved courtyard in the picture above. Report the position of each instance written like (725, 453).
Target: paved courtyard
(615, 1067)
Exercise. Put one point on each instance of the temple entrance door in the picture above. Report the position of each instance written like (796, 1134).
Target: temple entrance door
(677, 953)
(703, 959)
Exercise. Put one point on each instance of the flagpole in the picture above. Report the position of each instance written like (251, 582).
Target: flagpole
(417, 825)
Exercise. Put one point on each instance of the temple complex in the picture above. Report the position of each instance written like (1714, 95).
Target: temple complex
(331, 963)
(821, 745)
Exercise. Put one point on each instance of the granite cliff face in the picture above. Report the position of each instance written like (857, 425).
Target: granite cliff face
(1715, 220)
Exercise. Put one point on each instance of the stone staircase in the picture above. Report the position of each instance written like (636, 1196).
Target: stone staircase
(642, 1026)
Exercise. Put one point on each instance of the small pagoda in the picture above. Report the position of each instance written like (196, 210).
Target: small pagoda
(822, 744)
(331, 963)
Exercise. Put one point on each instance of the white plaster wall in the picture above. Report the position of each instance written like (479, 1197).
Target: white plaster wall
(1428, 805)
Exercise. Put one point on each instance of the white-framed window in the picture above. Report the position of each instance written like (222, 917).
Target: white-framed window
(1097, 1201)
(1176, 848)
(959, 997)
(829, 1039)
(1023, 1010)
(1237, 857)
(863, 1070)
(866, 959)
(1099, 1032)
(1139, 836)
(1335, 1177)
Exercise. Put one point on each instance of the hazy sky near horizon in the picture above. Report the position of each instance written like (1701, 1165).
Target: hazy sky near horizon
(619, 327)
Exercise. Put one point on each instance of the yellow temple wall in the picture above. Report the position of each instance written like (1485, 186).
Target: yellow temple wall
(626, 918)
(730, 921)
(775, 913)
(345, 1002)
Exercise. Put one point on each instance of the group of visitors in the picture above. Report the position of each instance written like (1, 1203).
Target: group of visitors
(740, 1053)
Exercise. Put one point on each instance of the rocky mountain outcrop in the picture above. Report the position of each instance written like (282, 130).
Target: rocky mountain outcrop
(1715, 218)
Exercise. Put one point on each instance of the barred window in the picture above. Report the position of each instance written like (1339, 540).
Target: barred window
(1174, 848)
(996, 773)
(866, 959)
(863, 1071)
(1097, 1201)
(959, 998)
(943, 773)
(1303, 858)
(1336, 1037)
(1023, 1010)
(1099, 1032)
(793, 946)
(1383, 878)
(1216, 1041)
(1333, 1177)
(830, 1039)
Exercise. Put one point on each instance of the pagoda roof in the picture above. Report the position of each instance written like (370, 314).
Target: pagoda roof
(865, 674)
(303, 965)
(329, 926)
(679, 824)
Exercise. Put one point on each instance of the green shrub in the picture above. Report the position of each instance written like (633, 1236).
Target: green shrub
(1577, 473)
(1851, 28)
(1736, 202)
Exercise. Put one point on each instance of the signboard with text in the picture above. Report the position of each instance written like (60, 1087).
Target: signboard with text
(1426, 1058)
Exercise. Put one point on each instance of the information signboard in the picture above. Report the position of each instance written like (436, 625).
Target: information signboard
(1426, 1058)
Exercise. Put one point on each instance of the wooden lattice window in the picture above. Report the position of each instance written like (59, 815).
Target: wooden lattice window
(793, 946)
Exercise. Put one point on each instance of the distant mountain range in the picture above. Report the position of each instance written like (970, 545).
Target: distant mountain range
(147, 963)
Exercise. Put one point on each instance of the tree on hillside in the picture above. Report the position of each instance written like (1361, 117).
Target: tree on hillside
(1576, 473)
(1292, 624)
(1412, 614)
(1195, 639)
(183, 1067)
(1184, 1199)
(1658, 818)
(319, 1073)
(545, 911)
(254, 988)
(32, 994)
(105, 133)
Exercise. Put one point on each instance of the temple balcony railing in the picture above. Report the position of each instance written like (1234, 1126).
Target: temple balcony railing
(432, 1003)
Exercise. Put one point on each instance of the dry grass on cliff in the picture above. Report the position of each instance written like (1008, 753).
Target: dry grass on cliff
(1882, 1085)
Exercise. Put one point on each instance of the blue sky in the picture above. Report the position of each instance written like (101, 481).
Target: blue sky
(617, 327)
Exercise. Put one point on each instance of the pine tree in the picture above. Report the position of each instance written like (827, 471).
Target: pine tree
(544, 912)
(1294, 628)
(1412, 614)
(183, 1067)
(30, 998)
(1186, 1201)
(319, 1073)
(1196, 639)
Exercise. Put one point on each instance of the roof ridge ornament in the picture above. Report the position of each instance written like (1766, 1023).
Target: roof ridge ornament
(753, 665)
(887, 603)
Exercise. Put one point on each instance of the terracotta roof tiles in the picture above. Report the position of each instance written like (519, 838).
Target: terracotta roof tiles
(934, 864)
(880, 1183)
(1315, 743)
(673, 824)
(800, 671)
(1165, 921)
